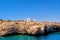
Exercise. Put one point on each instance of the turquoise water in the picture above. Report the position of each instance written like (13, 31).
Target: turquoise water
(53, 36)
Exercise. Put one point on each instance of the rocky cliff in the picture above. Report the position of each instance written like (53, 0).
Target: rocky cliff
(30, 28)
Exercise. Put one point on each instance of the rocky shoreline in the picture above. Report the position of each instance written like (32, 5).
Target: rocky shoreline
(29, 28)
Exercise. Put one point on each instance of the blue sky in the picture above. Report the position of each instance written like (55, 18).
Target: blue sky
(41, 10)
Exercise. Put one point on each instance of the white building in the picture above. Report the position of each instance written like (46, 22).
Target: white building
(29, 20)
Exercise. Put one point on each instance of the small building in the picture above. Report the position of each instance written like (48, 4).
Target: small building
(29, 20)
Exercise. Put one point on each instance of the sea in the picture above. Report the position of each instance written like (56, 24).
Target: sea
(52, 36)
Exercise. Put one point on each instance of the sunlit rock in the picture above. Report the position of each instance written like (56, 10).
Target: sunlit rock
(28, 28)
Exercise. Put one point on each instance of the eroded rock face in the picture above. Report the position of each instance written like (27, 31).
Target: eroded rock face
(31, 28)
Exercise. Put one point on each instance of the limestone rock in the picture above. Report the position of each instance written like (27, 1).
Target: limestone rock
(31, 28)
